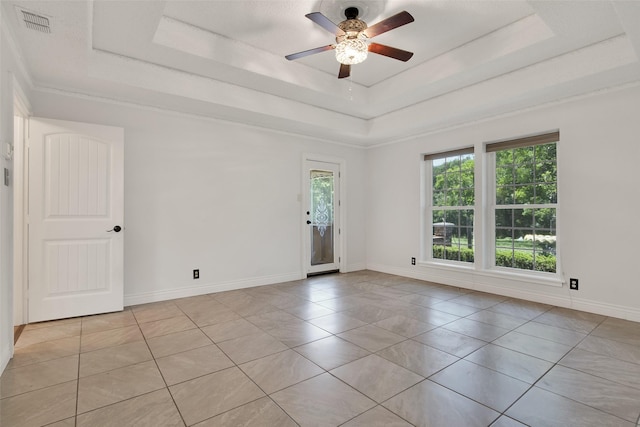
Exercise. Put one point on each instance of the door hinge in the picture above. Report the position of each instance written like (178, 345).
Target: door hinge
(339, 231)
(339, 259)
(339, 202)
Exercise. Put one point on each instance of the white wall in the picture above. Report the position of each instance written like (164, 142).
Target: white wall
(6, 204)
(10, 72)
(599, 236)
(6, 296)
(223, 198)
(220, 197)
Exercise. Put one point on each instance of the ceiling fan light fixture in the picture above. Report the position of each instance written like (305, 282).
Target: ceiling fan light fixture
(351, 51)
(352, 37)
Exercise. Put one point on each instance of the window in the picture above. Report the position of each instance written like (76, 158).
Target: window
(525, 205)
(451, 210)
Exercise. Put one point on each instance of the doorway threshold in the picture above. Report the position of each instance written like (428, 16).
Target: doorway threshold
(320, 273)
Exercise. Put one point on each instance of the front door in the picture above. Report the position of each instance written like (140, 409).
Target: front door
(322, 216)
(76, 211)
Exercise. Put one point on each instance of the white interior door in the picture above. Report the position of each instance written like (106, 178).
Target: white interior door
(322, 180)
(75, 218)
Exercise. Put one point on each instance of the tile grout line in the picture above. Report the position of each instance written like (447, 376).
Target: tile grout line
(267, 395)
(442, 368)
(234, 365)
(374, 353)
(503, 413)
(390, 297)
(500, 414)
(532, 385)
(159, 370)
(75, 416)
(302, 355)
(557, 363)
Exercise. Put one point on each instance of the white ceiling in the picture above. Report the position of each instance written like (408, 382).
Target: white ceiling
(225, 59)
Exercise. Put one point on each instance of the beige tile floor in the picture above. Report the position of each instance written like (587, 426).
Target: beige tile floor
(358, 349)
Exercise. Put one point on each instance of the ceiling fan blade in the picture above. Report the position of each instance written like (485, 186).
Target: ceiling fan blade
(390, 23)
(345, 71)
(391, 52)
(325, 23)
(309, 52)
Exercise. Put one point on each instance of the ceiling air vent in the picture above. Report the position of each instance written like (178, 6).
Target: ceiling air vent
(36, 22)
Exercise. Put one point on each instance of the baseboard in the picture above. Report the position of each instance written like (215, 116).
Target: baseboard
(479, 284)
(209, 288)
(5, 358)
(358, 266)
(612, 310)
(422, 274)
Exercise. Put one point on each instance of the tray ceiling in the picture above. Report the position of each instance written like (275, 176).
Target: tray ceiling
(225, 59)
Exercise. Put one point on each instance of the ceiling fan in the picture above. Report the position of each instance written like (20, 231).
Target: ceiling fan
(352, 35)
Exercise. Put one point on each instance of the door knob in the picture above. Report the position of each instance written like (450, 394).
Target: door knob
(117, 229)
(308, 222)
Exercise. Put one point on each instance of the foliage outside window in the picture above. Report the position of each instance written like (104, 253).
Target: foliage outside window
(526, 207)
(452, 206)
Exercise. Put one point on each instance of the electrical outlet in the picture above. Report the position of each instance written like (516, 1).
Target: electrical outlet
(413, 261)
(573, 284)
(196, 274)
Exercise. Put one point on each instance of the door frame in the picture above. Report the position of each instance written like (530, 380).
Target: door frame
(304, 199)
(21, 108)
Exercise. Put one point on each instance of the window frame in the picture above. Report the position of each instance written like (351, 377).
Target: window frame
(491, 191)
(484, 228)
(428, 208)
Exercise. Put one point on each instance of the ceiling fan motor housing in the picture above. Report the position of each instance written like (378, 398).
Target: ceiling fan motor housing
(353, 28)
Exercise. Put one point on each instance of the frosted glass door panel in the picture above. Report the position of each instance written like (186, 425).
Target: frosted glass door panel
(322, 190)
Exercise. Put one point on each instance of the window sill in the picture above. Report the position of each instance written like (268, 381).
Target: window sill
(537, 279)
(497, 273)
(452, 266)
